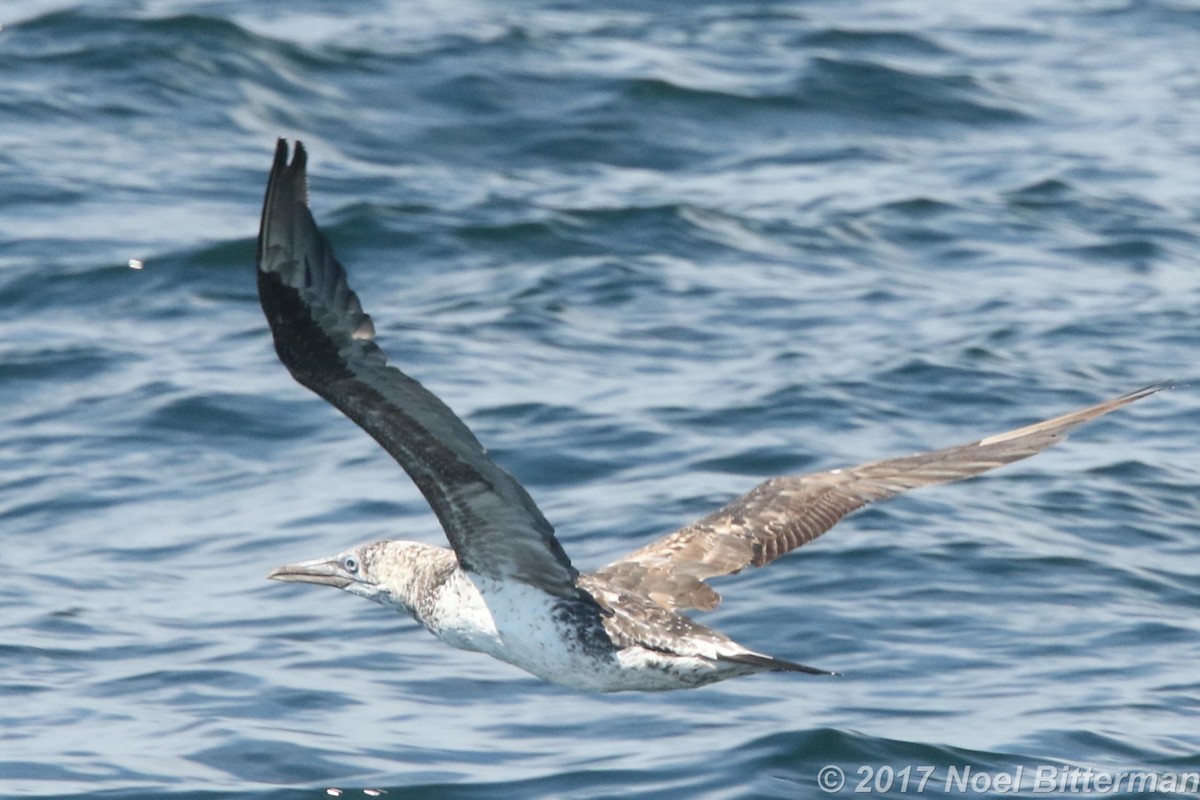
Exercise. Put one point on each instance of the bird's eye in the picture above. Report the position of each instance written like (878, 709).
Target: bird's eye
(350, 564)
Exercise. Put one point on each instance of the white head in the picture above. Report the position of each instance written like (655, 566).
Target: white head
(390, 571)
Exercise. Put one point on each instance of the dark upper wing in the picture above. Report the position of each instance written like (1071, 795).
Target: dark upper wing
(327, 342)
(783, 513)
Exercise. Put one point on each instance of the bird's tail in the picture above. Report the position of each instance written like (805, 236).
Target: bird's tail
(767, 663)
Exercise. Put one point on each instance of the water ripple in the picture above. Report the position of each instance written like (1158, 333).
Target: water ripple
(652, 256)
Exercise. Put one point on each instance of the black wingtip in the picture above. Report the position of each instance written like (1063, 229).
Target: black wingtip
(281, 154)
(299, 158)
(286, 185)
(1146, 391)
(1153, 388)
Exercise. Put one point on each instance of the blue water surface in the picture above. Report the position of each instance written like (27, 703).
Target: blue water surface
(653, 254)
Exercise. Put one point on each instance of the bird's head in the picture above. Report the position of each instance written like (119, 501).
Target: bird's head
(388, 571)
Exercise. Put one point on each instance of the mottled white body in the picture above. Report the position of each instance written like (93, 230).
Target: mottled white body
(460, 617)
(514, 622)
(535, 638)
(519, 624)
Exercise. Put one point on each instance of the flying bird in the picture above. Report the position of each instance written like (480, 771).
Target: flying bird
(507, 588)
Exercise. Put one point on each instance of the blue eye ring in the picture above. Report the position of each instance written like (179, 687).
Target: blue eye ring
(350, 564)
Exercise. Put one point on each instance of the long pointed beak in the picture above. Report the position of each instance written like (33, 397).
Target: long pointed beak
(321, 571)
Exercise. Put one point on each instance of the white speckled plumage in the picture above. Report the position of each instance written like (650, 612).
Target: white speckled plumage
(512, 621)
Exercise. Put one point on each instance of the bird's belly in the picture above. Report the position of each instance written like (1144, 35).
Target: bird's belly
(462, 619)
(564, 643)
(545, 635)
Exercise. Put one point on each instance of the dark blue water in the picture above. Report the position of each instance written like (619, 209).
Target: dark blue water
(652, 253)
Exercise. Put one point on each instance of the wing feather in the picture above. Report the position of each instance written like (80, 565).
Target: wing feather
(784, 513)
(327, 342)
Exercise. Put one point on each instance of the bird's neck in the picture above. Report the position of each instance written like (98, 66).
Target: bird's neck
(415, 575)
(429, 584)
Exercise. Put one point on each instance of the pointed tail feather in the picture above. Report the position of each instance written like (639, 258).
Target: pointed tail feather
(767, 663)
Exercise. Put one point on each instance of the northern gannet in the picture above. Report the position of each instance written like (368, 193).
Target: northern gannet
(507, 588)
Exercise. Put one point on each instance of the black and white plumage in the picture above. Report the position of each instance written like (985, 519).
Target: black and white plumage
(507, 588)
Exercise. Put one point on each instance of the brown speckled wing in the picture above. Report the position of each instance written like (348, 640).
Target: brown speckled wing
(784, 513)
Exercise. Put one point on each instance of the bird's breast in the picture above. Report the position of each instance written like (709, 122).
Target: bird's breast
(460, 617)
(558, 640)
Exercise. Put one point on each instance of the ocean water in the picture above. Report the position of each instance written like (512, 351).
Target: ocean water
(653, 254)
